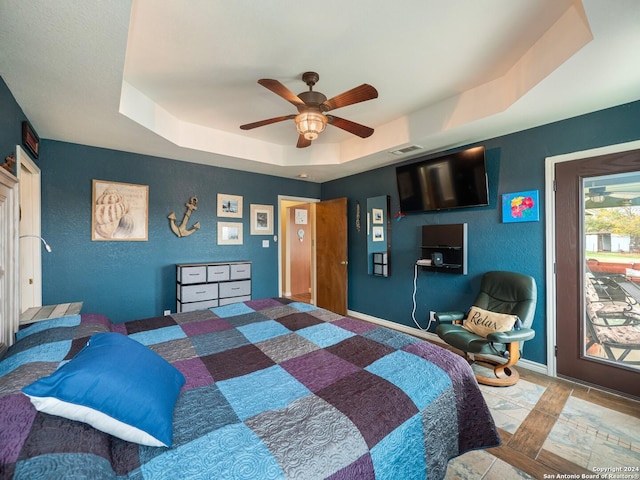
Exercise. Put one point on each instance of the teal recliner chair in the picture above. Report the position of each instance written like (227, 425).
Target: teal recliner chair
(501, 292)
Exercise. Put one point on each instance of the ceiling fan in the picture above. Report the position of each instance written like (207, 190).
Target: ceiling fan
(312, 106)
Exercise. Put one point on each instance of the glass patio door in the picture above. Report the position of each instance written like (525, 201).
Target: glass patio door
(598, 271)
(611, 220)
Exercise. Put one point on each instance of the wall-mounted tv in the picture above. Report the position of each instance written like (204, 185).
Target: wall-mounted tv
(455, 180)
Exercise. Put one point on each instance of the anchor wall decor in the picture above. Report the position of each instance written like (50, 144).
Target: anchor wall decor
(182, 230)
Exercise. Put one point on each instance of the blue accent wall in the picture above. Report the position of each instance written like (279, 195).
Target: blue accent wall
(126, 280)
(514, 163)
(11, 118)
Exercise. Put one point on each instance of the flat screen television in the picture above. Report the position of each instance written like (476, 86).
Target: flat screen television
(455, 180)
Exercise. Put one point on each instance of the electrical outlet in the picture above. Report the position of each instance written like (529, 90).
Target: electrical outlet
(432, 316)
(167, 312)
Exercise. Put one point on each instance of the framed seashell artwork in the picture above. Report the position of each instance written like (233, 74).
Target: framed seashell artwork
(119, 211)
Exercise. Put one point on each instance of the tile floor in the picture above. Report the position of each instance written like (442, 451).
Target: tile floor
(552, 428)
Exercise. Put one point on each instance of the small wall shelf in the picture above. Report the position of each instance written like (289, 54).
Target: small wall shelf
(380, 264)
(448, 240)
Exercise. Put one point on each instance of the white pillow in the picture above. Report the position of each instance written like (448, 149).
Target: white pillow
(483, 322)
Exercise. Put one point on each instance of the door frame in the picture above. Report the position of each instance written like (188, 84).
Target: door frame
(282, 229)
(9, 254)
(29, 175)
(550, 236)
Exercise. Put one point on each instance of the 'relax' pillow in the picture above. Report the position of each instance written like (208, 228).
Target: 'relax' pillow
(483, 322)
(116, 385)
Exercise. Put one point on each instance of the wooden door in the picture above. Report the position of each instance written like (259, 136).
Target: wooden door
(331, 255)
(299, 241)
(574, 338)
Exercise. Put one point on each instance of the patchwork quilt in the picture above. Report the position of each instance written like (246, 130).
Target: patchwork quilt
(274, 389)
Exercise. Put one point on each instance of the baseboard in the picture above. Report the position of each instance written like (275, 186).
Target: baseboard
(523, 362)
(395, 326)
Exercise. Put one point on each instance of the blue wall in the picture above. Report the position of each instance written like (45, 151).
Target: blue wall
(126, 280)
(514, 162)
(11, 118)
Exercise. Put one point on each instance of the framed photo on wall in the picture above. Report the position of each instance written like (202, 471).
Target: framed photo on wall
(300, 216)
(378, 234)
(378, 215)
(261, 219)
(119, 211)
(229, 205)
(229, 233)
(30, 139)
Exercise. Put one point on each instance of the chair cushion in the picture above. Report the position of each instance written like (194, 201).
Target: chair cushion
(508, 292)
(462, 339)
(483, 322)
(623, 335)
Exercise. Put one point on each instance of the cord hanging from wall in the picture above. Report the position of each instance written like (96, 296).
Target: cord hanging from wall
(47, 247)
(415, 305)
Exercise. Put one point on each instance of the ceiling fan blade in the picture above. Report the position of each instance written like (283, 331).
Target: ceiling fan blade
(351, 127)
(279, 89)
(269, 121)
(303, 142)
(356, 95)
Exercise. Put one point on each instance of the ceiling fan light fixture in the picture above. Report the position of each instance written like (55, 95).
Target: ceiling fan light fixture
(312, 106)
(310, 124)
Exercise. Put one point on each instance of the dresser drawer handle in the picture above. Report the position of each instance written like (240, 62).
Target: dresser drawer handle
(235, 288)
(193, 274)
(200, 293)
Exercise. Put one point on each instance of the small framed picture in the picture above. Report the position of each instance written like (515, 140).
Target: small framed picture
(300, 216)
(378, 234)
(378, 215)
(229, 233)
(30, 139)
(261, 219)
(229, 205)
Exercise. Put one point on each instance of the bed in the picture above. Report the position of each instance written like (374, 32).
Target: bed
(272, 389)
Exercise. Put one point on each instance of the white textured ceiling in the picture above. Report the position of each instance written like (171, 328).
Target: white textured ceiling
(176, 78)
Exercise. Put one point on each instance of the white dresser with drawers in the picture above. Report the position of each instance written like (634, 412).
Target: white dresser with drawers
(207, 285)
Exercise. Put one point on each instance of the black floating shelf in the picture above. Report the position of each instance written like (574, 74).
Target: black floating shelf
(450, 242)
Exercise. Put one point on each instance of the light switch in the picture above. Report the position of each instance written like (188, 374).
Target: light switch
(265, 243)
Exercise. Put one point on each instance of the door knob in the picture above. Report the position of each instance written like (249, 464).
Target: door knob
(344, 262)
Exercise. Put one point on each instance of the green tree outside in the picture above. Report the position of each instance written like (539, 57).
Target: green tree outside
(619, 221)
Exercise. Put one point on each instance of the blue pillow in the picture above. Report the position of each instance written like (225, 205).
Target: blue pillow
(116, 385)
